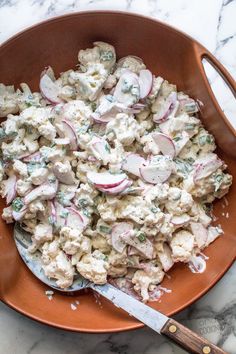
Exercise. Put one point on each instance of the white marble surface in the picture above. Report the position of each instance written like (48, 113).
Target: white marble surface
(212, 22)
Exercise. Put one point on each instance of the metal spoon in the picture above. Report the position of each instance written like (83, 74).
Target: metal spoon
(157, 321)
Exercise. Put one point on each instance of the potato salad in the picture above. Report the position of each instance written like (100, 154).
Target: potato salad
(111, 171)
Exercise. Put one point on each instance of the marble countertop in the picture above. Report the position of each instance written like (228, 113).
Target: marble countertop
(212, 22)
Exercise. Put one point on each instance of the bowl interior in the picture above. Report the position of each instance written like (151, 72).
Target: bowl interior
(167, 53)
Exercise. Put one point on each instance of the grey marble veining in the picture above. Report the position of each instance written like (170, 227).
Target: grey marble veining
(212, 22)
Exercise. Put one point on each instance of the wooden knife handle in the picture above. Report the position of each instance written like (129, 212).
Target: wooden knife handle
(189, 340)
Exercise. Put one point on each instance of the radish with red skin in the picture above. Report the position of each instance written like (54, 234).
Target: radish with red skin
(126, 98)
(145, 247)
(117, 231)
(169, 108)
(197, 264)
(165, 258)
(205, 170)
(145, 82)
(75, 219)
(49, 89)
(118, 189)
(179, 220)
(39, 192)
(70, 132)
(165, 144)
(200, 234)
(132, 164)
(105, 179)
(10, 188)
(152, 174)
(36, 156)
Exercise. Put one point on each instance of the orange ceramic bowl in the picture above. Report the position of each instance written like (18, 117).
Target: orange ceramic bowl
(177, 58)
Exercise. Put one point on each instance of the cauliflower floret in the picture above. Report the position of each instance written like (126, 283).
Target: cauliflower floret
(7, 214)
(182, 245)
(93, 267)
(39, 176)
(90, 83)
(23, 187)
(84, 168)
(35, 116)
(163, 93)
(52, 154)
(102, 52)
(78, 113)
(149, 146)
(36, 206)
(47, 130)
(56, 265)
(11, 125)
(42, 234)
(159, 192)
(124, 127)
(205, 141)
(179, 201)
(8, 100)
(144, 278)
(131, 63)
(100, 243)
(15, 148)
(156, 86)
(63, 172)
(70, 239)
(85, 196)
(20, 168)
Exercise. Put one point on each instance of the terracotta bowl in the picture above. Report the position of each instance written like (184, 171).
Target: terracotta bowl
(177, 58)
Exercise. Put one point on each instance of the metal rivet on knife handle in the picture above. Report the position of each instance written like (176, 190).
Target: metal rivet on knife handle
(173, 329)
(206, 349)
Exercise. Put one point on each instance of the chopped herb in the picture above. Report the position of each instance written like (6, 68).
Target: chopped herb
(105, 258)
(52, 179)
(17, 204)
(51, 220)
(189, 126)
(104, 229)
(177, 138)
(106, 55)
(64, 214)
(107, 148)
(93, 106)
(86, 213)
(141, 237)
(154, 210)
(82, 202)
(218, 181)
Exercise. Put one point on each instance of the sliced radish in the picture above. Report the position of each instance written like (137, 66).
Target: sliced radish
(105, 179)
(180, 144)
(61, 215)
(36, 156)
(165, 127)
(206, 169)
(100, 148)
(100, 119)
(10, 188)
(197, 264)
(132, 164)
(165, 144)
(127, 79)
(200, 234)
(170, 106)
(146, 247)
(119, 230)
(44, 192)
(212, 233)
(153, 174)
(118, 189)
(49, 89)
(189, 105)
(121, 60)
(145, 82)
(18, 215)
(75, 219)
(165, 258)
(70, 132)
(180, 220)
(52, 208)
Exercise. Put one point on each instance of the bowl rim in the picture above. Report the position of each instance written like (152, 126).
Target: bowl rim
(199, 47)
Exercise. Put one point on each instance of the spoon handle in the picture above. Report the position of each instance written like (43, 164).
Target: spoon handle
(160, 323)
